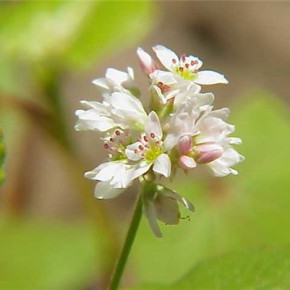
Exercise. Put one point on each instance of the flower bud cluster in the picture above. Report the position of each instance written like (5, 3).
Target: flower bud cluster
(179, 129)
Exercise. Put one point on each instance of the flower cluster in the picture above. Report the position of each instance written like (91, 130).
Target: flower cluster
(180, 129)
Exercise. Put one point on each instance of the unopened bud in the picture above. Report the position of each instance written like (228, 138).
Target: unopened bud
(209, 152)
(186, 162)
(184, 144)
(147, 63)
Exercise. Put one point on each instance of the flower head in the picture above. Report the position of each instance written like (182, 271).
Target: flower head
(178, 129)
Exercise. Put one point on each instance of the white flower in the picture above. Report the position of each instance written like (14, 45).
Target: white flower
(208, 143)
(187, 67)
(148, 150)
(162, 205)
(117, 81)
(168, 85)
(182, 122)
(213, 145)
(113, 177)
(117, 110)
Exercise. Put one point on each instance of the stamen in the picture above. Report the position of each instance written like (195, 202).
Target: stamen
(145, 139)
(180, 69)
(174, 61)
(116, 144)
(187, 65)
(141, 147)
(183, 58)
(152, 135)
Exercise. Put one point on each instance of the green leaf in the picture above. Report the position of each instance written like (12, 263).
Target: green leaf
(42, 255)
(232, 213)
(109, 26)
(66, 31)
(265, 269)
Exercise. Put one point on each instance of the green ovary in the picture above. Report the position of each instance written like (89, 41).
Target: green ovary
(118, 156)
(185, 73)
(152, 153)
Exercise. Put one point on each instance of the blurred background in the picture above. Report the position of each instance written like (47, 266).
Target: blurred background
(53, 233)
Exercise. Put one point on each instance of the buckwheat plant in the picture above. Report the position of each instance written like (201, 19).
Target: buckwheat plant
(180, 129)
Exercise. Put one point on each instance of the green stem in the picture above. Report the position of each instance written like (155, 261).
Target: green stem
(121, 262)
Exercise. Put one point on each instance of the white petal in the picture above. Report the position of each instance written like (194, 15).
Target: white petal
(144, 57)
(165, 77)
(162, 165)
(130, 73)
(220, 169)
(101, 108)
(126, 104)
(222, 113)
(146, 61)
(93, 122)
(130, 151)
(140, 169)
(212, 130)
(234, 140)
(208, 77)
(202, 100)
(165, 56)
(196, 60)
(117, 76)
(170, 141)
(105, 190)
(221, 166)
(102, 83)
(105, 171)
(231, 157)
(152, 125)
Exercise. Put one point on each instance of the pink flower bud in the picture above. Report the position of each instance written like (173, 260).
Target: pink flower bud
(147, 63)
(184, 144)
(186, 162)
(207, 152)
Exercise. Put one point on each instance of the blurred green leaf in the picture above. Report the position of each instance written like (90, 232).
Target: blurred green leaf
(2, 156)
(69, 31)
(232, 213)
(44, 255)
(265, 269)
(109, 26)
